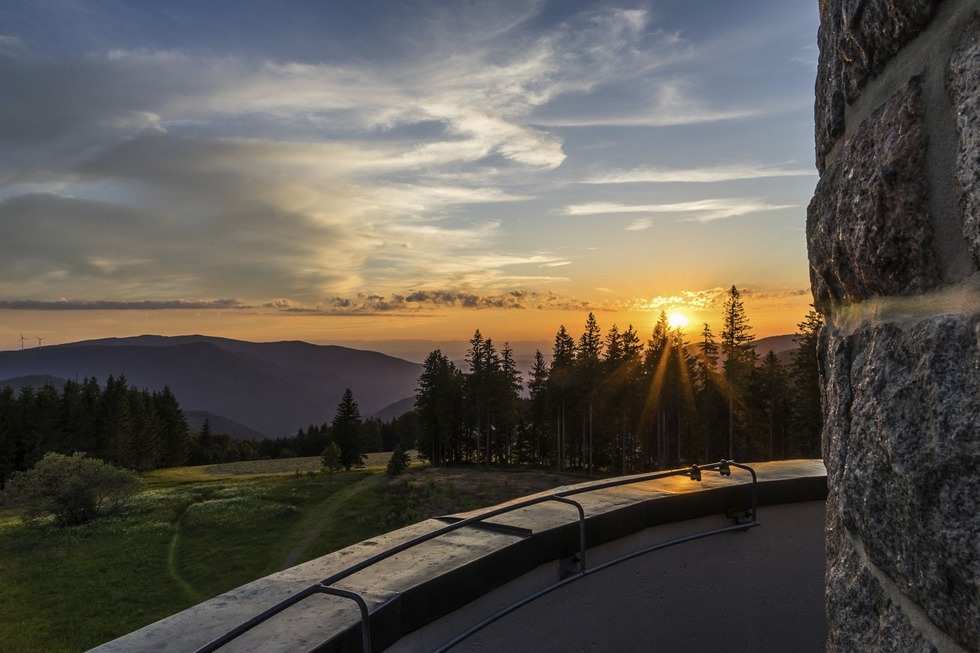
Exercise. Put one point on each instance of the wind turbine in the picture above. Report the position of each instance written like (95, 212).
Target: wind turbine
(39, 339)
(22, 339)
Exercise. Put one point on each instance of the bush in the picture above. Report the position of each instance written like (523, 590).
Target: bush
(330, 458)
(73, 488)
(398, 462)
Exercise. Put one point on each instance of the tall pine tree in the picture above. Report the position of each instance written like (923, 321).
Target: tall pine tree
(588, 377)
(561, 377)
(737, 346)
(807, 419)
(346, 431)
(439, 401)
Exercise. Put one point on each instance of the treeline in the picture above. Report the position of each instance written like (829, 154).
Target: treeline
(125, 426)
(142, 430)
(618, 404)
(374, 435)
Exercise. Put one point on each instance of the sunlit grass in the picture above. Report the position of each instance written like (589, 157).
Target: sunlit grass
(68, 589)
(192, 534)
(72, 588)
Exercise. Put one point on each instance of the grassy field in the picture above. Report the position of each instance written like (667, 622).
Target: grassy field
(195, 532)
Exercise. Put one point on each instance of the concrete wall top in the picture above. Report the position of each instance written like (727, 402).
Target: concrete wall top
(412, 588)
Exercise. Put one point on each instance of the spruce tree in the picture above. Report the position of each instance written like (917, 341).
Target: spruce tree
(710, 396)
(560, 379)
(656, 365)
(438, 400)
(587, 375)
(346, 431)
(509, 386)
(771, 395)
(480, 357)
(175, 436)
(538, 389)
(807, 419)
(737, 346)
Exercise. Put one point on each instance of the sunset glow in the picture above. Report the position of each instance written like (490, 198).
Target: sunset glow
(343, 172)
(677, 320)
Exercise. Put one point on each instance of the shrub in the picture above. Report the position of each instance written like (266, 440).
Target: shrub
(330, 458)
(398, 462)
(73, 488)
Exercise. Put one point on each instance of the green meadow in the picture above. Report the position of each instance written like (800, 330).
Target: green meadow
(195, 532)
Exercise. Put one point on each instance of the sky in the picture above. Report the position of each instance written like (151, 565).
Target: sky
(371, 170)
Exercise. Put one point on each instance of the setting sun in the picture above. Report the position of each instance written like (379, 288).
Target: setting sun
(677, 320)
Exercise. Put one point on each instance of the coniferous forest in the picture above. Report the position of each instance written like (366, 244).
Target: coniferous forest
(612, 402)
(619, 403)
(125, 426)
(142, 430)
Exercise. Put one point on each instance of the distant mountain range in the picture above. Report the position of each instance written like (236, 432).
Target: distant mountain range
(269, 388)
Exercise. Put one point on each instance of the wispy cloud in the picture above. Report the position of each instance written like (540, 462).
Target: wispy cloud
(654, 117)
(665, 102)
(110, 305)
(697, 175)
(697, 210)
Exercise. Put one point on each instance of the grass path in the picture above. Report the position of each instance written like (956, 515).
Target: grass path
(184, 585)
(326, 512)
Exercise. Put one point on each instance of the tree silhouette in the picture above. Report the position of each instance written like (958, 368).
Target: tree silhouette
(807, 419)
(737, 347)
(346, 431)
(561, 377)
(439, 402)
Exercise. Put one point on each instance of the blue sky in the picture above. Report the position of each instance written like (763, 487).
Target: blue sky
(330, 170)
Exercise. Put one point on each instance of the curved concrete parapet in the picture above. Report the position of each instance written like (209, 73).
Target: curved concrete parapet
(424, 596)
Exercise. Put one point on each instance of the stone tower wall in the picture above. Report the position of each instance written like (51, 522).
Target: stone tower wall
(893, 233)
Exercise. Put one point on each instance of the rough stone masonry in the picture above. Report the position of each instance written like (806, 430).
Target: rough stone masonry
(893, 232)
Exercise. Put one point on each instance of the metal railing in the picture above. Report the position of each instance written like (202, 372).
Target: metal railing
(724, 468)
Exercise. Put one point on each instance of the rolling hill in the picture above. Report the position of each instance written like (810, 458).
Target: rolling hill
(273, 388)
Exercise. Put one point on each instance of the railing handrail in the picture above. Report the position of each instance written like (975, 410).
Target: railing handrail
(324, 586)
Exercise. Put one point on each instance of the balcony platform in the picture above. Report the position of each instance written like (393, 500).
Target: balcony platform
(762, 587)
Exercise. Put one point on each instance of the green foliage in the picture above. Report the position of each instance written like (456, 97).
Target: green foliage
(307, 442)
(210, 448)
(807, 419)
(492, 392)
(183, 539)
(398, 462)
(404, 428)
(346, 431)
(740, 357)
(439, 403)
(74, 489)
(371, 436)
(330, 458)
(122, 425)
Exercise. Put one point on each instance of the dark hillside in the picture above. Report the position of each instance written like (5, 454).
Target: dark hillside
(220, 425)
(34, 381)
(273, 388)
